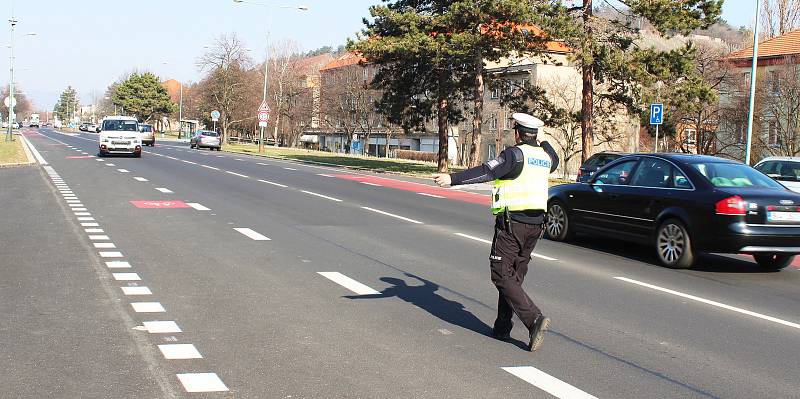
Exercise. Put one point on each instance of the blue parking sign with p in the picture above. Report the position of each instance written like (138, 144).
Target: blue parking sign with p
(656, 114)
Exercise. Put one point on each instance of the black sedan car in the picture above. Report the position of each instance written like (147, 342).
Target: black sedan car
(682, 205)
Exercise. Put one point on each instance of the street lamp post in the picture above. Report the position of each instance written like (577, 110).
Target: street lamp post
(753, 70)
(266, 64)
(12, 98)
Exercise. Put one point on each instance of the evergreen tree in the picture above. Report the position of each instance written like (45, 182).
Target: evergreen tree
(143, 96)
(67, 106)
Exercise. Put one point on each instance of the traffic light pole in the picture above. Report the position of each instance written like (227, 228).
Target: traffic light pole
(11, 98)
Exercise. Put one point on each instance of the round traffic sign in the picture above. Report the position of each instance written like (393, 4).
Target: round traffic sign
(263, 116)
(215, 115)
(10, 101)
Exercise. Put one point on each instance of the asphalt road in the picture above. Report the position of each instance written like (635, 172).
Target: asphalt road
(301, 281)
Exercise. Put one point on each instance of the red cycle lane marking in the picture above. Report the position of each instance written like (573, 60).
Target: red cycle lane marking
(419, 188)
(160, 204)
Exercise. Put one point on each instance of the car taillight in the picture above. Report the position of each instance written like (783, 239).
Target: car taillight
(580, 173)
(732, 206)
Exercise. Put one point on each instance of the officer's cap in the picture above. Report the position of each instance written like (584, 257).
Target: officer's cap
(528, 122)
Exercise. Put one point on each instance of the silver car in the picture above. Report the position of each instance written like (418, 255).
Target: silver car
(205, 139)
(786, 170)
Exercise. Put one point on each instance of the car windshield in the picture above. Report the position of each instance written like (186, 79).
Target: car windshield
(119, 125)
(734, 175)
(781, 170)
(145, 128)
(209, 134)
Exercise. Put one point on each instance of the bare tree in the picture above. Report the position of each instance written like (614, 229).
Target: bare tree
(779, 17)
(781, 108)
(346, 99)
(227, 64)
(284, 85)
(564, 93)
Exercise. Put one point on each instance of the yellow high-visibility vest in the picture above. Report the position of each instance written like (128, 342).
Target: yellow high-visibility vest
(529, 190)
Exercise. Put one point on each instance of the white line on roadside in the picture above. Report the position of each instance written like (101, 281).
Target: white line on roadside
(202, 382)
(431, 195)
(98, 237)
(712, 303)
(86, 219)
(104, 245)
(90, 224)
(147, 307)
(391, 214)
(140, 179)
(136, 291)
(126, 277)
(78, 209)
(179, 351)
(209, 167)
(548, 383)
(110, 164)
(323, 175)
(100, 160)
(370, 183)
(349, 283)
(237, 174)
(94, 230)
(164, 190)
(320, 195)
(273, 183)
(252, 234)
(261, 163)
(161, 327)
(290, 168)
(37, 155)
(489, 242)
(473, 238)
(118, 264)
(197, 206)
(189, 162)
(123, 171)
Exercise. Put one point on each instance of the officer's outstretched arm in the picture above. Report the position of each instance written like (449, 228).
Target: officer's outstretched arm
(553, 155)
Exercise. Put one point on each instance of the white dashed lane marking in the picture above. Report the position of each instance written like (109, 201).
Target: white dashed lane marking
(320, 195)
(349, 283)
(489, 242)
(164, 190)
(98, 238)
(548, 383)
(86, 219)
(133, 291)
(82, 213)
(431, 195)
(147, 307)
(273, 183)
(104, 245)
(370, 184)
(237, 174)
(94, 230)
(197, 206)
(202, 382)
(209, 167)
(118, 264)
(179, 351)
(290, 168)
(110, 164)
(90, 224)
(123, 170)
(252, 234)
(140, 179)
(712, 303)
(161, 327)
(126, 277)
(391, 215)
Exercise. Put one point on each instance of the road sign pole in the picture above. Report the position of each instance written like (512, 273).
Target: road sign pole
(753, 73)
(655, 148)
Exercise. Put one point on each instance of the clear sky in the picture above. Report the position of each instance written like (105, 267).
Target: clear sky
(90, 43)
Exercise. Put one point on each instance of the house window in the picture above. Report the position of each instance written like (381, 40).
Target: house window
(772, 136)
(493, 123)
(746, 79)
(740, 132)
(507, 123)
(691, 136)
(495, 93)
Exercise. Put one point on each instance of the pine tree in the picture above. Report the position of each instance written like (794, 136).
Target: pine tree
(143, 96)
(67, 106)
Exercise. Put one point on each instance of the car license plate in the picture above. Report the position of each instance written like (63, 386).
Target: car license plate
(121, 142)
(783, 216)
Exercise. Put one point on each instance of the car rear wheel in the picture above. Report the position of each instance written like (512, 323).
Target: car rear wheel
(557, 227)
(674, 246)
(773, 261)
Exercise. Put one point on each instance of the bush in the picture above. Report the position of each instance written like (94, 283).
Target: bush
(416, 155)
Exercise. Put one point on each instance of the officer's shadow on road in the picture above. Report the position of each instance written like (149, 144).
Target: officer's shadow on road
(425, 297)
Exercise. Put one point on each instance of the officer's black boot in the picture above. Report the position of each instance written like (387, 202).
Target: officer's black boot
(537, 332)
(503, 335)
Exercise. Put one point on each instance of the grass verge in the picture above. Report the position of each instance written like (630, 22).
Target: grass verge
(11, 152)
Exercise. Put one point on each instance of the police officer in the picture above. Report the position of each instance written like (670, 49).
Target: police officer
(519, 202)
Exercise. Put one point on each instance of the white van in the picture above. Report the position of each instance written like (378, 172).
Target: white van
(120, 135)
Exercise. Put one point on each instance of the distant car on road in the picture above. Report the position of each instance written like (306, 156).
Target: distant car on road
(596, 162)
(84, 127)
(57, 124)
(786, 170)
(15, 125)
(148, 135)
(205, 139)
(682, 205)
(120, 135)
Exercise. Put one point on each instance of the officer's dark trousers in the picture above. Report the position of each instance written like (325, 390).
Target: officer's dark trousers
(511, 253)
